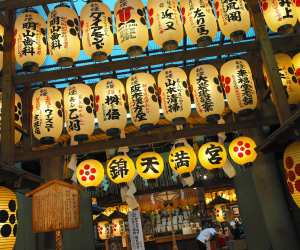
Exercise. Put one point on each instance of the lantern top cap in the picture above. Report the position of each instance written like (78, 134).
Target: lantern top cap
(32, 10)
(62, 5)
(102, 217)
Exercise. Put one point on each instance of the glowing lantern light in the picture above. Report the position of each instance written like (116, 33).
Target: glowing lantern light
(30, 40)
(97, 30)
(8, 223)
(132, 31)
(207, 92)
(297, 5)
(199, 21)
(143, 100)
(120, 169)
(280, 16)
(234, 21)
(150, 165)
(79, 111)
(47, 115)
(165, 22)
(212, 155)
(118, 225)
(236, 77)
(103, 227)
(292, 170)
(110, 106)
(242, 150)
(175, 95)
(1, 46)
(63, 35)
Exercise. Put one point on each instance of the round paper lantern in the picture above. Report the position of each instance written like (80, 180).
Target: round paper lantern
(132, 31)
(207, 92)
(90, 173)
(97, 30)
(199, 21)
(212, 155)
(175, 95)
(47, 115)
(280, 16)
(63, 35)
(120, 169)
(292, 170)
(236, 77)
(165, 22)
(9, 220)
(150, 165)
(242, 150)
(79, 111)
(1, 46)
(233, 18)
(30, 40)
(143, 100)
(110, 106)
(103, 228)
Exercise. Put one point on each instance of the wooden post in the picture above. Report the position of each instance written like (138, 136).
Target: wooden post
(106, 244)
(58, 240)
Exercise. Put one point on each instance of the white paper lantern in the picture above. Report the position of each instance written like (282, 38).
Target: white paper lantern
(143, 100)
(110, 106)
(1, 46)
(97, 30)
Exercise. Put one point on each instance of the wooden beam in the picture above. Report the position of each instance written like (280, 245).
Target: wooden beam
(18, 4)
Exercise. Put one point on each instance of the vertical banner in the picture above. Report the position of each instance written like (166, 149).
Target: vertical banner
(135, 230)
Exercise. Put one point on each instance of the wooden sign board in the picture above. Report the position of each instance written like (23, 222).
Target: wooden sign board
(55, 206)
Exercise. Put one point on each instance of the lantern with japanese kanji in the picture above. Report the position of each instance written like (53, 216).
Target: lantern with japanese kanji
(1, 46)
(63, 35)
(103, 227)
(242, 150)
(97, 30)
(207, 92)
(30, 40)
(165, 22)
(47, 115)
(238, 83)
(280, 16)
(150, 165)
(199, 21)
(143, 100)
(212, 155)
(175, 95)
(110, 106)
(90, 173)
(79, 111)
(233, 18)
(132, 31)
(118, 225)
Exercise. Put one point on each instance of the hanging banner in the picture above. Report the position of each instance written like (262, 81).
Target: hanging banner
(135, 230)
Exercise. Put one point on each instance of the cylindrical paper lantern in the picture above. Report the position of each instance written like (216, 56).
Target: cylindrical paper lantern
(118, 227)
(79, 111)
(30, 41)
(63, 35)
(212, 155)
(175, 95)
(280, 16)
(219, 212)
(132, 31)
(199, 21)
(165, 22)
(110, 106)
(1, 46)
(47, 115)
(97, 30)
(103, 228)
(143, 100)
(207, 92)
(239, 86)
(150, 165)
(233, 18)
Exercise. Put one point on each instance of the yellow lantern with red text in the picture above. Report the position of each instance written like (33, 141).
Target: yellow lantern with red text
(103, 228)
(1, 46)
(212, 155)
(118, 227)
(150, 165)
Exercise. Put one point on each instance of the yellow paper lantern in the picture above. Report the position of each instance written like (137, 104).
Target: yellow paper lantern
(121, 169)
(212, 155)
(238, 83)
(124, 209)
(219, 213)
(150, 165)
(175, 95)
(132, 31)
(9, 220)
(165, 23)
(242, 150)
(63, 35)
(280, 16)
(1, 46)
(207, 92)
(199, 21)
(97, 30)
(30, 40)
(90, 173)
(47, 115)
(103, 228)
(143, 100)
(233, 18)
(110, 106)
(297, 7)
(79, 111)
(118, 227)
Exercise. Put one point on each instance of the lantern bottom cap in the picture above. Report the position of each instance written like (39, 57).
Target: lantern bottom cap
(47, 140)
(213, 118)
(186, 175)
(146, 127)
(170, 45)
(99, 56)
(204, 41)
(81, 138)
(134, 51)
(245, 112)
(31, 67)
(65, 62)
(238, 35)
(114, 132)
(286, 29)
(179, 121)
